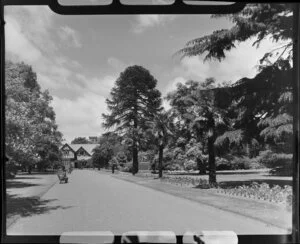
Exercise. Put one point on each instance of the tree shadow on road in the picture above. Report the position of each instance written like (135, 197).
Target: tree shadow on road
(27, 178)
(19, 184)
(29, 206)
(33, 173)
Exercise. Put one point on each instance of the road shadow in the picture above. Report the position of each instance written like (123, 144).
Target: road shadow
(271, 182)
(19, 184)
(37, 173)
(29, 206)
(27, 178)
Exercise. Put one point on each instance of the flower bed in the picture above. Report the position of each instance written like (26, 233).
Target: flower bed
(186, 181)
(275, 194)
(262, 191)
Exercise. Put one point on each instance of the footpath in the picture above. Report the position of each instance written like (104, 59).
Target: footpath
(23, 193)
(266, 212)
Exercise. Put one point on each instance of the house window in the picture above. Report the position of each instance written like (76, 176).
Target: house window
(66, 152)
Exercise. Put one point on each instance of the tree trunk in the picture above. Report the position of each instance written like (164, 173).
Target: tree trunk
(201, 167)
(160, 159)
(211, 161)
(153, 167)
(248, 149)
(135, 163)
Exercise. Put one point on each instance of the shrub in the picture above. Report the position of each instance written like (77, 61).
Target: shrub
(144, 165)
(173, 167)
(168, 155)
(11, 170)
(190, 165)
(222, 164)
(128, 166)
(272, 160)
(181, 142)
(194, 152)
(245, 163)
(180, 158)
(177, 151)
(126, 169)
(122, 158)
(146, 156)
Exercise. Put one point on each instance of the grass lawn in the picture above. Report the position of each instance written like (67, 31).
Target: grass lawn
(257, 184)
(233, 178)
(276, 214)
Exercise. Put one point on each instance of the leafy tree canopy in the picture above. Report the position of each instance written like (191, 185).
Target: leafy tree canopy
(80, 140)
(262, 105)
(31, 130)
(196, 105)
(258, 21)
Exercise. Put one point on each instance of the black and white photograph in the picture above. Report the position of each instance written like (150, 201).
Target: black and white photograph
(149, 122)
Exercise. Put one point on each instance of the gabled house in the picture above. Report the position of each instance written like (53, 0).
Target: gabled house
(72, 153)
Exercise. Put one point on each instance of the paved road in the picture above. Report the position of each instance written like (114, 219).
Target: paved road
(94, 201)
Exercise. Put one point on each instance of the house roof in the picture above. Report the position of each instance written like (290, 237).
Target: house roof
(66, 145)
(87, 147)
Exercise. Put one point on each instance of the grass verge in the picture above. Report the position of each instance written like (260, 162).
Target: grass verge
(266, 212)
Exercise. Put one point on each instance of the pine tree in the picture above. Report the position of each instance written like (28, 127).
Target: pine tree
(134, 101)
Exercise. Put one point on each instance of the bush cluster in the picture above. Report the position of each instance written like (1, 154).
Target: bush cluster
(11, 170)
(245, 163)
(192, 158)
(174, 167)
(235, 163)
(190, 165)
(126, 169)
(280, 163)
